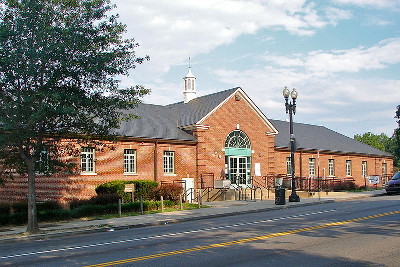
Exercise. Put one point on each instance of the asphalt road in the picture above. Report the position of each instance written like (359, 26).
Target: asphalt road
(351, 233)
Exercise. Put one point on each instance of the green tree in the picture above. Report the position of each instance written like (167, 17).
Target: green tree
(396, 140)
(379, 141)
(59, 63)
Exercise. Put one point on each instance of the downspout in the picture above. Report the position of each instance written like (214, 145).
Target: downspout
(196, 179)
(301, 169)
(301, 164)
(155, 161)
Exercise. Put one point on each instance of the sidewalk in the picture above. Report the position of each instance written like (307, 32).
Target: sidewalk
(217, 209)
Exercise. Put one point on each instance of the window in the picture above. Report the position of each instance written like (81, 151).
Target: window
(169, 167)
(311, 167)
(237, 139)
(384, 169)
(348, 167)
(384, 173)
(289, 166)
(129, 161)
(42, 165)
(87, 160)
(331, 167)
(364, 169)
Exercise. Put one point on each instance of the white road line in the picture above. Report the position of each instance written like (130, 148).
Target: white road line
(161, 236)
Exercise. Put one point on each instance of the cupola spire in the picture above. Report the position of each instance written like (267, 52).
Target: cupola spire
(189, 90)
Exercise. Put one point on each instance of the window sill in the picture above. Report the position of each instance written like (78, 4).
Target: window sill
(88, 173)
(130, 174)
(169, 174)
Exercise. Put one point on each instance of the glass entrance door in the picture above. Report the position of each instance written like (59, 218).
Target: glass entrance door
(237, 170)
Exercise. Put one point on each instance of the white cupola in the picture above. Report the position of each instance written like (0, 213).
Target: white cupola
(189, 91)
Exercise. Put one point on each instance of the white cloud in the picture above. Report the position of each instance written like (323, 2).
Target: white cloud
(378, 22)
(169, 30)
(322, 63)
(334, 15)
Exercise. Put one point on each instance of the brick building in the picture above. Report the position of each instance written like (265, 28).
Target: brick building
(218, 136)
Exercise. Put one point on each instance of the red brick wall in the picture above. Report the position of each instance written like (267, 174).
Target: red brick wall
(108, 167)
(374, 165)
(211, 142)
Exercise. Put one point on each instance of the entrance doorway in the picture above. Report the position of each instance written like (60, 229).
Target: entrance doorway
(238, 158)
(238, 170)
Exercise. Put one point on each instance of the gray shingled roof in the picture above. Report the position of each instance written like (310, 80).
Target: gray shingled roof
(155, 122)
(196, 109)
(321, 138)
(163, 122)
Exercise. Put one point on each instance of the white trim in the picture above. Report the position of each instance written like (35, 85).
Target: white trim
(88, 173)
(195, 126)
(251, 104)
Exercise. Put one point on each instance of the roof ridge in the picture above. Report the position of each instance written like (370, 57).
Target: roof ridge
(204, 96)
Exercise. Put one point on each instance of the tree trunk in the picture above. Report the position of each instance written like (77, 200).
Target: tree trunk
(33, 226)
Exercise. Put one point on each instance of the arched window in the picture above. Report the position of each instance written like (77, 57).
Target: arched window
(237, 139)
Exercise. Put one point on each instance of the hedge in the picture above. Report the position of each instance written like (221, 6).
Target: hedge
(103, 199)
(168, 192)
(143, 188)
(82, 211)
(22, 207)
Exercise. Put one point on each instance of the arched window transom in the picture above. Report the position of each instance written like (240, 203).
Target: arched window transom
(237, 139)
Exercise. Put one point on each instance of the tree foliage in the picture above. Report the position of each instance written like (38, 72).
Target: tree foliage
(384, 142)
(396, 140)
(59, 60)
(379, 141)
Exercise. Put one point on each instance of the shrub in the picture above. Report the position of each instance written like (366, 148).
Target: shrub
(90, 210)
(103, 199)
(131, 206)
(168, 191)
(344, 186)
(78, 203)
(13, 219)
(20, 206)
(143, 188)
(5, 208)
(48, 205)
(54, 215)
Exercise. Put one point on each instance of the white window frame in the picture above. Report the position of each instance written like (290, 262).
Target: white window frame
(288, 166)
(384, 169)
(348, 168)
(169, 162)
(88, 160)
(42, 165)
(384, 173)
(331, 167)
(311, 167)
(130, 161)
(364, 169)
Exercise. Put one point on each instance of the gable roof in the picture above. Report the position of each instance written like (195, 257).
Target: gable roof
(165, 122)
(320, 138)
(155, 122)
(196, 109)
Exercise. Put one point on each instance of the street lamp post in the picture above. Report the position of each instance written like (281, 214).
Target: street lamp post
(291, 109)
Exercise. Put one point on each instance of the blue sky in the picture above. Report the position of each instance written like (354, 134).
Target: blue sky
(342, 56)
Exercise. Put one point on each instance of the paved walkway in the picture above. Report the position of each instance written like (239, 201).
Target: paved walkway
(217, 209)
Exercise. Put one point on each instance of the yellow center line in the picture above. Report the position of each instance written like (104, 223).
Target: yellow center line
(240, 241)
